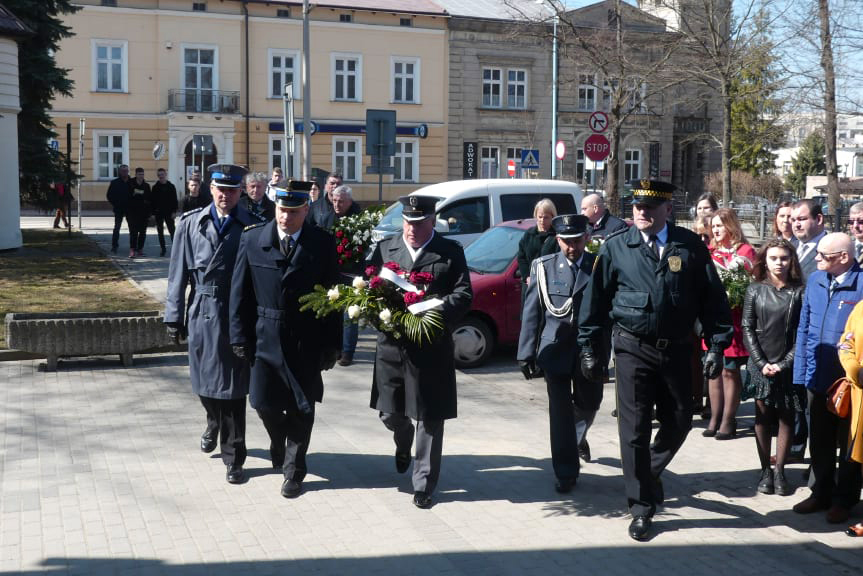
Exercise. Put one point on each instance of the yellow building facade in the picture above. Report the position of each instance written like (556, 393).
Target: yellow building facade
(163, 83)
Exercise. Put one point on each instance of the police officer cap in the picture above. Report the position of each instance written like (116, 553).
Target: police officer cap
(570, 225)
(227, 175)
(294, 196)
(417, 208)
(652, 192)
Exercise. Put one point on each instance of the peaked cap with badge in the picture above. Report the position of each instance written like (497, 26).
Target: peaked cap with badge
(652, 192)
(227, 175)
(417, 208)
(295, 195)
(570, 225)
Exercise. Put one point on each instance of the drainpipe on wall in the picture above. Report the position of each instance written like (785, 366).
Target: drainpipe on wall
(248, 96)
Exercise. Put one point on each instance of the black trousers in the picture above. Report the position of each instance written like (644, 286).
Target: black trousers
(570, 413)
(118, 221)
(161, 223)
(137, 231)
(290, 432)
(835, 479)
(648, 377)
(226, 418)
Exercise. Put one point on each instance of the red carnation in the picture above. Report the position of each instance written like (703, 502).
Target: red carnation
(339, 233)
(421, 278)
(344, 241)
(371, 270)
(339, 249)
(341, 261)
(348, 254)
(393, 266)
(375, 282)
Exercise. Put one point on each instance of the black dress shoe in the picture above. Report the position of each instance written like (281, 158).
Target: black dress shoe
(781, 485)
(208, 443)
(403, 461)
(766, 484)
(422, 499)
(292, 488)
(564, 485)
(708, 433)
(235, 474)
(584, 450)
(639, 528)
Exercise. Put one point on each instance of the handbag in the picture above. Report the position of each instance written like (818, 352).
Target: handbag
(839, 397)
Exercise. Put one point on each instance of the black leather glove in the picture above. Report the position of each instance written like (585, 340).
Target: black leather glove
(591, 367)
(174, 333)
(240, 352)
(328, 358)
(528, 368)
(713, 364)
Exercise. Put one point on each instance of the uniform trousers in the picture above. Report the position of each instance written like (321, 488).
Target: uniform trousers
(226, 419)
(834, 479)
(648, 376)
(115, 234)
(569, 419)
(290, 432)
(137, 230)
(429, 447)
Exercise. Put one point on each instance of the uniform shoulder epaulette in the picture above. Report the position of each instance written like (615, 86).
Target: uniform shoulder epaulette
(545, 257)
(255, 225)
(192, 211)
(616, 233)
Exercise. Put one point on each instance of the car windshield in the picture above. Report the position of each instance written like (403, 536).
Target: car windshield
(392, 220)
(494, 250)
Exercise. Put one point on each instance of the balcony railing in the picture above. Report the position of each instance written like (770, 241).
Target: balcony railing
(207, 101)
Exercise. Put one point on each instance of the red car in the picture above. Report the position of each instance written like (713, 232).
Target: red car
(495, 315)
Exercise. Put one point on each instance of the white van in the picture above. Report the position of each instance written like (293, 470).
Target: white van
(467, 208)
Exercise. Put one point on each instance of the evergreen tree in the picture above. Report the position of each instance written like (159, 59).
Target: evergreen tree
(809, 161)
(755, 107)
(40, 82)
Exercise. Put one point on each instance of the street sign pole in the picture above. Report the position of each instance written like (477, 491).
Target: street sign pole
(81, 128)
(289, 129)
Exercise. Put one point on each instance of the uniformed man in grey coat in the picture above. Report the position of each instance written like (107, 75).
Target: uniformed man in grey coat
(418, 382)
(202, 256)
(549, 327)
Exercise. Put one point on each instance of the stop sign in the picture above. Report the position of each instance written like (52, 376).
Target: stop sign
(510, 168)
(596, 147)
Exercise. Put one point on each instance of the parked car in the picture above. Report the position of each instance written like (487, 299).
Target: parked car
(495, 315)
(467, 208)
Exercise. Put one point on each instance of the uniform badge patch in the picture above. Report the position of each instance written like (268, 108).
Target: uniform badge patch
(675, 263)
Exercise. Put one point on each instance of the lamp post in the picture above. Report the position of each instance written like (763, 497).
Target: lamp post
(553, 86)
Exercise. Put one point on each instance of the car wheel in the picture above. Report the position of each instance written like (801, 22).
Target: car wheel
(474, 342)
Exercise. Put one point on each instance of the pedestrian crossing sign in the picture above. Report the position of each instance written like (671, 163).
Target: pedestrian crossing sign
(530, 159)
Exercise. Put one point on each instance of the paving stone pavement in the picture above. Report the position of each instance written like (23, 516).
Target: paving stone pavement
(101, 473)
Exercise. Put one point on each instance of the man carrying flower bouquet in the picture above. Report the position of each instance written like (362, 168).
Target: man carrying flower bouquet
(278, 262)
(416, 381)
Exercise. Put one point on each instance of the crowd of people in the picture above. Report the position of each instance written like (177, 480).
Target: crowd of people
(696, 320)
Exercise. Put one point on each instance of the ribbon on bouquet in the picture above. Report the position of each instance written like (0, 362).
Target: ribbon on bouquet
(414, 309)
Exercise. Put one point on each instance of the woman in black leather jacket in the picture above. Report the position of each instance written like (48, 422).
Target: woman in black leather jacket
(771, 312)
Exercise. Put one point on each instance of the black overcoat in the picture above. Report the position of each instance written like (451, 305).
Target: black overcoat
(419, 381)
(288, 345)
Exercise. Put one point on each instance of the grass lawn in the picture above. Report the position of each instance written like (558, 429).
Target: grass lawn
(55, 272)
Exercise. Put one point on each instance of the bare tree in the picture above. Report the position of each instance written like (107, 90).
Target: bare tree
(829, 108)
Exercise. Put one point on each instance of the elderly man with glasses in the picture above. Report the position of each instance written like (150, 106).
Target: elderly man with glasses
(831, 293)
(855, 227)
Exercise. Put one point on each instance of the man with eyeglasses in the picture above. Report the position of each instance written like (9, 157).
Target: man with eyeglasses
(831, 293)
(855, 226)
(807, 221)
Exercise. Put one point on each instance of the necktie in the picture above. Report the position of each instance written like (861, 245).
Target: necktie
(654, 245)
(858, 247)
(222, 222)
(833, 285)
(801, 252)
(287, 245)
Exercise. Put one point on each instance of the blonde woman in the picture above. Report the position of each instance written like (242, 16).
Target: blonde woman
(531, 244)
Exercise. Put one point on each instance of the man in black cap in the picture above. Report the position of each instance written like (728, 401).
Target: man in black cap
(418, 382)
(548, 330)
(277, 263)
(652, 282)
(202, 255)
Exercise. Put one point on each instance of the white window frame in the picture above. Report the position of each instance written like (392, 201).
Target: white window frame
(295, 70)
(516, 84)
(514, 153)
(124, 72)
(636, 90)
(272, 152)
(124, 150)
(402, 158)
(414, 78)
(631, 159)
(491, 82)
(356, 160)
(358, 85)
(587, 84)
(492, 161)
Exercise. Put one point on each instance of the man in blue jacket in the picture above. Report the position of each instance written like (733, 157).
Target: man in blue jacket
(831, 293)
